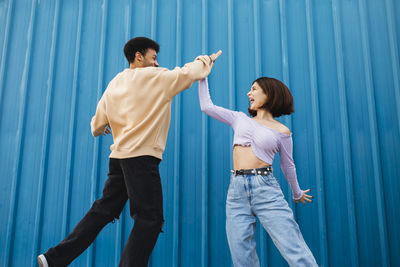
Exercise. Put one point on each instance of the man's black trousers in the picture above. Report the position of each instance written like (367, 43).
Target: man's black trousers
(136, 179)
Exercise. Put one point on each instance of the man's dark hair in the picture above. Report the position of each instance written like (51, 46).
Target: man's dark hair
(279, 99)
(139, 44)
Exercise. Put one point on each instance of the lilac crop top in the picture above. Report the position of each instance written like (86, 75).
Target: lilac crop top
(264, 141)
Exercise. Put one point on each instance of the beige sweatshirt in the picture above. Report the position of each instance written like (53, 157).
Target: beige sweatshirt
(137, 107)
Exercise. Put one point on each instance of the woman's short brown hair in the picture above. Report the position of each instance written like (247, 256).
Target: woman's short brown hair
(279, 99)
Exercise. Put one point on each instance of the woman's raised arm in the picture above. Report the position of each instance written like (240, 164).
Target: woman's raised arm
(224, 115)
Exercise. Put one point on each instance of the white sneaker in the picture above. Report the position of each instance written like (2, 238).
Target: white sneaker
(42, 261)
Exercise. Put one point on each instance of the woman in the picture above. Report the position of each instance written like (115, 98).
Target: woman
(253, 190)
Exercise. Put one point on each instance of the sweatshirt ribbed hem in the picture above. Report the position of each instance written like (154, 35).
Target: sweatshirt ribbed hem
(141, 151)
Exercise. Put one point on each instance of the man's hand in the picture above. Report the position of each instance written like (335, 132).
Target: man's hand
(214, 56)
(304, 197)
(107, 130)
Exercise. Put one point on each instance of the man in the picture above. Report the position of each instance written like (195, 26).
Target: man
(137, 107)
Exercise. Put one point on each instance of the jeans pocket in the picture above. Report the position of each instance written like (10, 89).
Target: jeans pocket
(269, 180)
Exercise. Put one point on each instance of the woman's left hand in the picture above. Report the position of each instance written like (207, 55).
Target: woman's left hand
(305, 197)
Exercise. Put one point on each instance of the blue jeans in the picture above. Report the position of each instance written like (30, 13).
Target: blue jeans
(260, 195)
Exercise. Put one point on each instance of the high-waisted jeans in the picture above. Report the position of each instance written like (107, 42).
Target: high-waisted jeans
(251, 196)
(138, 180)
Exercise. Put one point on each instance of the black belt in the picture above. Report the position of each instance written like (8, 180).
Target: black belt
(261, 171)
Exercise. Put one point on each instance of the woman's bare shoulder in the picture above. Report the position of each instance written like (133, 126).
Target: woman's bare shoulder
(280, 127)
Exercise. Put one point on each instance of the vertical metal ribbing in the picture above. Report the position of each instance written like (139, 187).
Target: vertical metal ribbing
(286, 78)
(317, 137)
(257, 57)
(153, 19)
(5, 49)
(177, 147)
(351, 215)
(94, 175)
(71, 133)
(16, 171)
(128, 20)
(2, 79)
(393, 41)
(231, 68)
(204, 151)
(46, 138)
(257, 38)
(394, 54)
(373, 124)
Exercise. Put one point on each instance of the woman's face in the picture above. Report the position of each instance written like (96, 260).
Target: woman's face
(257, 97)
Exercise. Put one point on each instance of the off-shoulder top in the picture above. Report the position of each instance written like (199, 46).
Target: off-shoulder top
(265, 142)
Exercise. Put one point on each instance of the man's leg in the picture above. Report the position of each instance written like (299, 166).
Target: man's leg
(103, 211)
(146, 206)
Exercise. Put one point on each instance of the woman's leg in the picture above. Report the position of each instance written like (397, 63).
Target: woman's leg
(277, 218)
(240, 225)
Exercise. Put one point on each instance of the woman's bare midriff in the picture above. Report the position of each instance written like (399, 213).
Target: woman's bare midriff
(244, 158)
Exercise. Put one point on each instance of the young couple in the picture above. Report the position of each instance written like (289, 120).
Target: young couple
(136, 108)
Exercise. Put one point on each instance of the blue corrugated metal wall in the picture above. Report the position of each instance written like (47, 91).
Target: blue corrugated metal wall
(340, 58)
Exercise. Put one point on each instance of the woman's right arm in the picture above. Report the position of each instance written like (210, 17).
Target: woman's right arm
(222, 114)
